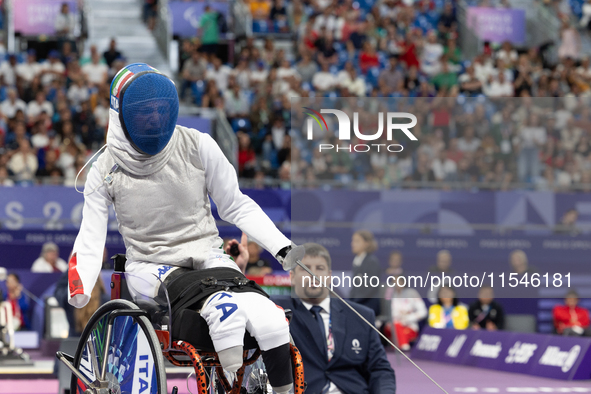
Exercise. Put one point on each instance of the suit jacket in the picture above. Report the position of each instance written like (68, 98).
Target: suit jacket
(368, 296)
(370, 266)
(359, 364)
(495, 314)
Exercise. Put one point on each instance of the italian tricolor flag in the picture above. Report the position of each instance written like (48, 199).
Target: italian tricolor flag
(121, 79)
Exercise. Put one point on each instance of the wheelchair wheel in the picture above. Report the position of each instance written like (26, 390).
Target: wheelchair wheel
(132, 356)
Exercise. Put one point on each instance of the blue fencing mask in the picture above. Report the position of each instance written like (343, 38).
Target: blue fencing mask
(148, 106)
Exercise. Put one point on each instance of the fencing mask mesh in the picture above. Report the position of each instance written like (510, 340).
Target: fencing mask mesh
(148, 107)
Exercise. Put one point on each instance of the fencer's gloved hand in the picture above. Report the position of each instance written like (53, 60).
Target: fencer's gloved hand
(289, 256)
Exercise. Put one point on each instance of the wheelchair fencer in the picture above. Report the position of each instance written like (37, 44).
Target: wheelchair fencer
(122, 348)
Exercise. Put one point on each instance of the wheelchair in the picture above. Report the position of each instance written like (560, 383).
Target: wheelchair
(123, 346)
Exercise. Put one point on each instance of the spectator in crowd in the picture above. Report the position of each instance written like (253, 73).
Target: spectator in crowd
(444, 168)
(235, 101)
(408, 309)
(12, 104)
(306, 68)
(37, 106)
(208, 31)
(50, 165)
(394, 263)
(469, 83)
(485, 313)
(442, 265)
(27, 71)
(448, 23)
(212, 97)
(324, 80)
(508, 54)
(256, 265)
(96, 72)
(193, 71)
(278, 15)
(391, 77)
(40, 136)
(246, 155)
(498, 86)
(320, 323)
(468, 143)
(150, 11)
(8, 71)
(568, 223)
(570, 45)
(363, 245)
(368, 57)
(18, 301)
(349, 80)
(532, 138)
(259, 9)
(570, 319)
(65, 25)
(79, 91)
(101, 114)
(112, 53)
(445, 80)
(448, 312)
(23, 164)
(431, 55)
(220, 73)
(520, 264)
(49, 260)
(259, 75)
(52, 69)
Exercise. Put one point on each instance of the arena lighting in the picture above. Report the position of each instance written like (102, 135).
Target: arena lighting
(295, 257)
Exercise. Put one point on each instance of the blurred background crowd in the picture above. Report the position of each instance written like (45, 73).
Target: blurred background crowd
(54, 110)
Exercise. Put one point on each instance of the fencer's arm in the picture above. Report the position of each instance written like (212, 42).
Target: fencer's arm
(87, 256)
(233, 206)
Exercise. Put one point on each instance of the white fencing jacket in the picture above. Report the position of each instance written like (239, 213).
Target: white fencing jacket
(162, 207)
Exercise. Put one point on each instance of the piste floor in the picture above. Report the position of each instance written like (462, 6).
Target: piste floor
(454, 379)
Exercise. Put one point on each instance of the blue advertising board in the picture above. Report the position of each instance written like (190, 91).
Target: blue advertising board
(479, 229)
(552, 356)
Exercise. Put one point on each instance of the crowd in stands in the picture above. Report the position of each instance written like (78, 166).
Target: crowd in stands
(54, 113)
(400, 49)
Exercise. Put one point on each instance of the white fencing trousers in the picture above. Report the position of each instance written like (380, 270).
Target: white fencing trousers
(229, 314)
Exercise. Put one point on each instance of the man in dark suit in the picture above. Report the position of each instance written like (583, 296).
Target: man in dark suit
(485, 312)
(341, 353)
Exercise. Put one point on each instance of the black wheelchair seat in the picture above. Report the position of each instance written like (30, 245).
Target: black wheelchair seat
(191, 327)
(187, 326)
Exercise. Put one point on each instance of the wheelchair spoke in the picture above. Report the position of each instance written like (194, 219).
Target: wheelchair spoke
(92, 353)
(107, 342)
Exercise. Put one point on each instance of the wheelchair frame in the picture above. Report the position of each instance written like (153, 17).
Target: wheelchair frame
(199, 360)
